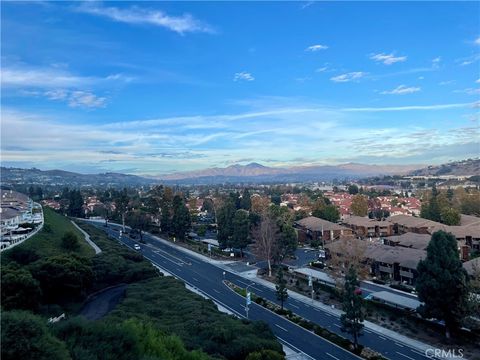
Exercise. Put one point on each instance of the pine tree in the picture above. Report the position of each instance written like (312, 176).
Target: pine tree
(282, 293)
(181, 221)
(442, 283)
(241, 230)
(352, 319)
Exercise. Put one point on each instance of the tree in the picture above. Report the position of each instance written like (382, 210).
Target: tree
(276, 199)
(181, 222)
(450, 216)
(138, 220)
(286, 243)
(442, 283)
(208, 206)
(246, 201)
(359, 205)
(266, 237)
(241, 230)
(64, 277)
(225, 216)
(352, 319)
(19, 289)
(281, 287)
(25, 336)
(327, 212)
(70, 241)
(166, 210)
(348, 253)
(353, 189)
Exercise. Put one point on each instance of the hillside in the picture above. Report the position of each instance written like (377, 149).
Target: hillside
(18, 176)
(469, 167)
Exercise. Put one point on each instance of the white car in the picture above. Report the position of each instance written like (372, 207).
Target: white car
(137, 247)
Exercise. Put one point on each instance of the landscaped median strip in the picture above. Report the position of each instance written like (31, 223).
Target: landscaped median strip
(344, 343)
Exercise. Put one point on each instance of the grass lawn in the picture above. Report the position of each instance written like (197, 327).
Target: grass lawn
(47, 242)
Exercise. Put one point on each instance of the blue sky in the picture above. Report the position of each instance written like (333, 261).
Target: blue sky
(159, 87)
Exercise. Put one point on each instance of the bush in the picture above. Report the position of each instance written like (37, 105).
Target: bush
(22, 255)
(26, 336)
(265, 355)
(19, 289)
(64, 277)
(70, 241)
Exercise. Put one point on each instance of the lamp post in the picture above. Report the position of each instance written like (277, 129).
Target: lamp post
(248, 299)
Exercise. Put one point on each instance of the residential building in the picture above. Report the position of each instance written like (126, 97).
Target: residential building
(365, 227)
(315, 229)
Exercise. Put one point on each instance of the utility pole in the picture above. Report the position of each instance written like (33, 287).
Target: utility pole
(310, 283)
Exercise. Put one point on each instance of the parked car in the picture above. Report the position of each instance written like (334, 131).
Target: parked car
(137, 247)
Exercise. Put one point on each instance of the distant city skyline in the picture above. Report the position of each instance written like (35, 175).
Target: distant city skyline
(161, 87)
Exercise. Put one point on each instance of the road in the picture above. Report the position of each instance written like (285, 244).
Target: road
(208, 278)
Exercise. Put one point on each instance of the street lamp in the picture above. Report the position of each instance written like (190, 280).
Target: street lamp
(248, 299)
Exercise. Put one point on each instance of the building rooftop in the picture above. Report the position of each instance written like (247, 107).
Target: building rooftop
(364, 221)
(411, 240)
(397, 300)
(316, 224)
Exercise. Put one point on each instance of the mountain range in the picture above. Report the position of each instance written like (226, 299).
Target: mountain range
(250, 173)
(255, 172)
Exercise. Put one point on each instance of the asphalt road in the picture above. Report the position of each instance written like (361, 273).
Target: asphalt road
(103, 302)
(208, 278)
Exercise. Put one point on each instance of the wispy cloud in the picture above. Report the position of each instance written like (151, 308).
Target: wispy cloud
(307, 4)
(402, 90)
(317, 47)
(243, 76)
(136, 15)
(477, 41)
(85, 99)
(52, 77)
(411, 107)
(446, 82)
(351, 76)
(387, 59)
(468, 60)
(469, 91)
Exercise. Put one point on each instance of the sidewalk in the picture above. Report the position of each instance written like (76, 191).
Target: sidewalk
(87, 239)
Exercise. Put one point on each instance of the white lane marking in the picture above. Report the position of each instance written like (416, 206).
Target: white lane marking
(367, 331)
(326, 313)
(416, 352)
(399, 344)
(295, 306)
(195, 279)
(337, 325)
(281, 328)
(218, 292)
(408, 357)
(332, 356)
(381, 337)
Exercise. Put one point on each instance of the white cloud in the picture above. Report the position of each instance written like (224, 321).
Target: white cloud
(478, 81)
(137, 15)
(387, 59)
(469, 91)
(351, 76)
(477, 41)
(322, 69)
(447, 82)
(317, 47)
(85, 99)
(46, 77)
(402, 90)
(243, 76)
